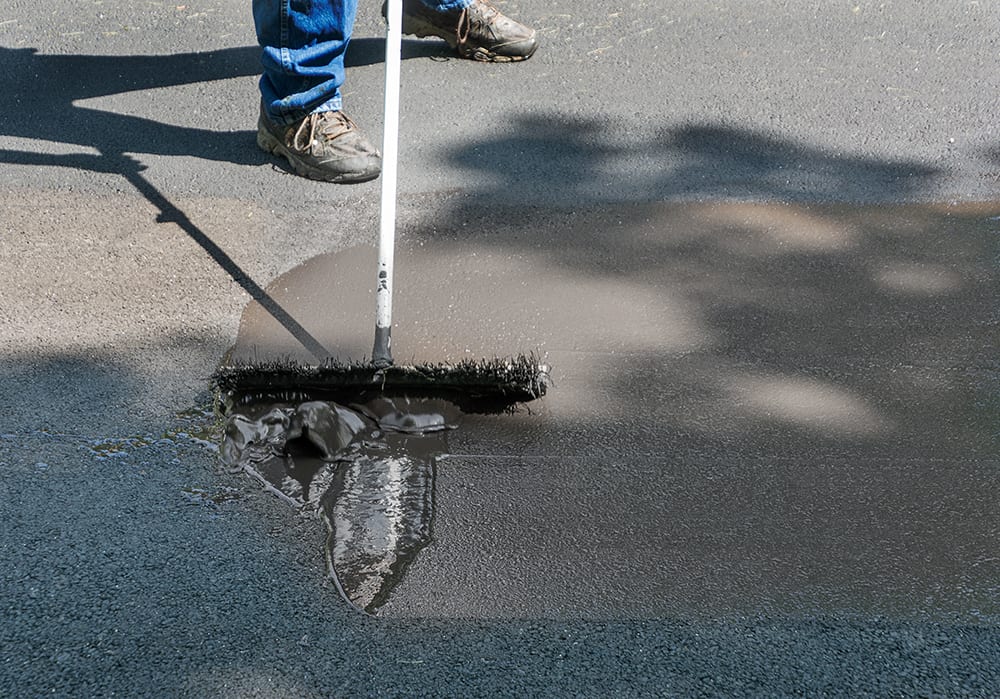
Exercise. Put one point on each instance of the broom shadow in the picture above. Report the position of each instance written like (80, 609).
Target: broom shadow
(131, 170)
(169, 213)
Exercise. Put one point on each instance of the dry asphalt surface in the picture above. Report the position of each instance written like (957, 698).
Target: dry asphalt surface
(758, 242)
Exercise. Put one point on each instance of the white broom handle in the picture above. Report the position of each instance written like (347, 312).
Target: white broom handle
(382, 354)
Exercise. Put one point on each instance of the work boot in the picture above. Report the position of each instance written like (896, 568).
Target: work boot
(479, 32)
(324, 146)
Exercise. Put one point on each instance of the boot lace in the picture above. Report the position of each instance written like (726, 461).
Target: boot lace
(324, 126)
(483, 20)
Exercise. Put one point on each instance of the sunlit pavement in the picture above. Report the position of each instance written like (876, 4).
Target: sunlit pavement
(757, 244)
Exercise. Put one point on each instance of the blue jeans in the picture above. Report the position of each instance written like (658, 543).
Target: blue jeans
(303, 44)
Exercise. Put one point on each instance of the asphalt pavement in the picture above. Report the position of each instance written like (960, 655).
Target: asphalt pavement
(758, 243)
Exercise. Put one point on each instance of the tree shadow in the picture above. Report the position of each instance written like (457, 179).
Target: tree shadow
(827, 311)
(580, 162)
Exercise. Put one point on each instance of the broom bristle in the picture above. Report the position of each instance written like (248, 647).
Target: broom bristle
(484, 383)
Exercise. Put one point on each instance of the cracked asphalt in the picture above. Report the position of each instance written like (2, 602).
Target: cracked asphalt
(758, 242)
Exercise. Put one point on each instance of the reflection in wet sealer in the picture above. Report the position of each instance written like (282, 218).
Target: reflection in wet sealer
(368, 470)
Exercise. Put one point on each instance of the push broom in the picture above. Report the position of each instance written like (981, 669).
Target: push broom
(486, 383)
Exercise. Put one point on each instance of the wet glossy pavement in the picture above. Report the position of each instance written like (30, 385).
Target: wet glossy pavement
(757, 409)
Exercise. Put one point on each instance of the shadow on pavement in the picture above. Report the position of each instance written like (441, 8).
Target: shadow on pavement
(579, 162)
(49, 88)
(783, 275)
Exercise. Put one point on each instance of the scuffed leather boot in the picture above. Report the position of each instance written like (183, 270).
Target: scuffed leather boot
(479, 32)
(324, 146)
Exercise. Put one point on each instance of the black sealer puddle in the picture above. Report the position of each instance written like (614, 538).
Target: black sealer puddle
(368, 470)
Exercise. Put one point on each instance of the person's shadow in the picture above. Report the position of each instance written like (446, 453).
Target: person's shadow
(42, 95)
